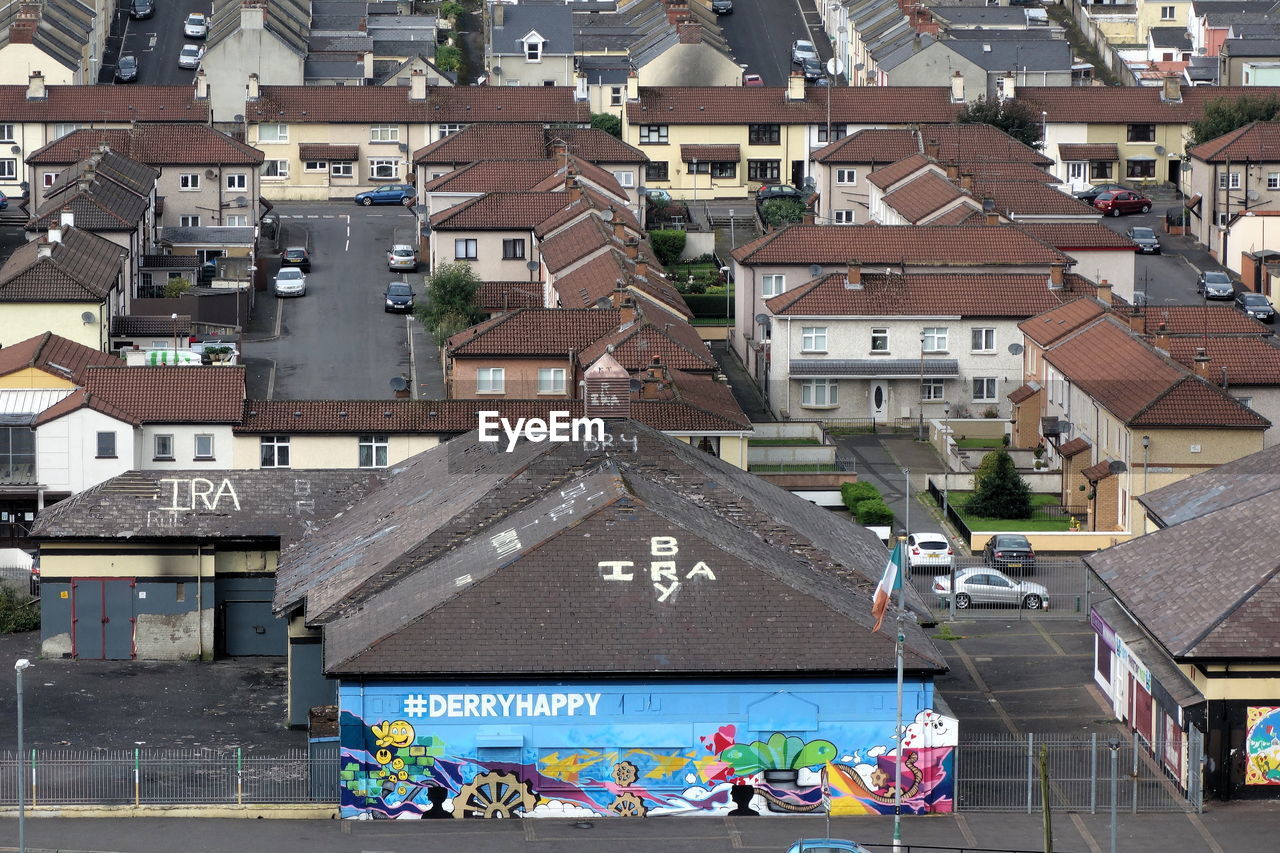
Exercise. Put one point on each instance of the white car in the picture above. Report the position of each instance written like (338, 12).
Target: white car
(929, 550)
(802, 50)
(291, 281)
(190, 56)
(196, 26)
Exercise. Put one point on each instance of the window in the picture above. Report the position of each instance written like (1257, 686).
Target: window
(1168, 13)
(448, 130)
(932, 389)
(653, 134)
(189, 221)
(1273, 180)
(384, 168)
(273, 132)
(1141, 169)
(204, 446)
(274, 451)
(773, 285)
(464, 249)
(237, 182)
(1142, 133)
(533, 51)
(17, 454)
(6, 132)
(764, 134)
(625, 178)
(48, 178)
(1245, 401)
(983, 340)
(106, 445)
(762, 170)
(373, 451)
(491, 380)
(163, 447)
(8, 169)
(656, 171)
(615, 96)
(341, 170)
(842, 217)
(880, 340)
(513, 249)
(846, 176)
(984, 389)
(190, 181)
(935, 339)
(278, 169)
(696, 168)
(236, 220)
(384, 133)
(315, 166)
(814, 338)
(838, 131)
(818, 392)
(1100, 170)
(551, 380)
(62, 129)
(1229, 181)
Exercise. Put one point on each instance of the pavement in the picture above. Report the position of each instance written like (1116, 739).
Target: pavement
(879, 459)
(744, 390)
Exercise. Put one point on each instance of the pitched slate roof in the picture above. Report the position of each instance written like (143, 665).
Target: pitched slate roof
(500, 211)
(1238, 481)
(1258, 142)
(152, 143)
(152, 324)
(535, 332)
(487, 176)
(444, 104)
(171, 394)
(769, 105)
(82, 267)
(1129, 104)
(289, 21)
(942, 245)
(929, 294)
(385, 577)
(53, 354)
(99, 104)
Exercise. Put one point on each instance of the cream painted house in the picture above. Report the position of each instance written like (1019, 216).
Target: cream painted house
(267, 39)
(494, 233)
(1235, 190)
(63, 39)
(529, 44)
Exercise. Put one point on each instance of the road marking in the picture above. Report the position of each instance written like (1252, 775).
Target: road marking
(151, 42)
(413, 364)
(279, 316)
(271, 379)
(1204, 832)
(1053, 644)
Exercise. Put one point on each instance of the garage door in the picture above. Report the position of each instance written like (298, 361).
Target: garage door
(248, 625)
(102, 618)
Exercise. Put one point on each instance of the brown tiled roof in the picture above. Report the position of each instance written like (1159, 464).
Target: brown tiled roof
(155, 143)
(588, 172)
(921, 196)
(151, 324)
(996, 170)
(591, 200)
(97, 104)
(655, 332)
(1247, 360)
(1257, 142)
(769, 105)
(942, 245)
(538, 105)
(1128, 104)
(1059, 322)
(963, 294)
(1023, 393)
(82, 399)
(1073, 447)
(320, 151)
(1031, 198)
(53, 354)
(710, 153)
(876, 145)
(596, 145)
(597, 278)
(956, 143)
(958, 215)
(1197, 403)
(1107, 151)
(500, 211)
(887, 176)
(171, 394)
(485, 142)
(1201, 320)
(580, 239)
(487, 176)
(1084, 236)
(509, 295)
(82, 268)
(1096, 473)
(535, 332)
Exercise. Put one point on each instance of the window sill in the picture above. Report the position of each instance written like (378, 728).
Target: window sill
(464, 259)
(162, 459)
(384, 141)
(106, 457)
(883, 353)
(374, 180)
(204, 459)
(655, 143)
(817, 406)
(983, 402)
(491, 393)
(188, 189)
(984, 352)
(813, 352)
(937, 352)
(273, 142)
(551, 393)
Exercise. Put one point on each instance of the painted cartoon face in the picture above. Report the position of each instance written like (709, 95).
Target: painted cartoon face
(398, 734)
(382, 756)
(397, 764)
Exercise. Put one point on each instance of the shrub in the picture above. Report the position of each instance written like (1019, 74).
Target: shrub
(985, 467)
(449, 58)
(667, 245)
(874, 512)
(781, 211)
(1003, 494)
(451, 10)
(608, 122)
(854, 493)
(175, 287)
(18, 612)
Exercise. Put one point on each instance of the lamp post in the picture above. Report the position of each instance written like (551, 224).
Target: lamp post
(694, 175)
(946, 454)
(1146, 448)
(921, 417)
(728, 302)
(1114, 745)
(174, 318)
(18, 667)
(1044, 129)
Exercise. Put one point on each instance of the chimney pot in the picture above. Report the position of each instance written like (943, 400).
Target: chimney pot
(853, 275)
(1055, 275)
(1202, 363)
(795, 86)
(1104, 291)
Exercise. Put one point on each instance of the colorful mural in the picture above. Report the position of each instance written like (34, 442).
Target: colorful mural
(1262, 745)
(426, 765)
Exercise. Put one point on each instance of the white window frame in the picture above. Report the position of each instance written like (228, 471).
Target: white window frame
(774, 284)
(985, 389)
(847, 177)
(1228, 180)
(237, 182)
(469, 246)
(448, 130)
(843, 217)
(933, 389)
(982, 339)
(236, 220)
(189, 181)
(880, 334)
(47, 179)
(934, 339)
(315, 165)
(820, 393)
(276, 444)
(203, 438)
(61, 129)
(491, 380)
(813, 338)
(6, 131)
(344, 169)
(378, 447)
(551, 380)
(379, 163)
(273, 132)
(1168, 13)
(281, 170)
(1273, 180)
(384, 133)
(625, 178)
(9, 169)
(533, 50)
(615, 96)
(653, 134)
(157, 441)
(189, 220)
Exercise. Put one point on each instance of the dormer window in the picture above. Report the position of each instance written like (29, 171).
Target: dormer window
(533, 47)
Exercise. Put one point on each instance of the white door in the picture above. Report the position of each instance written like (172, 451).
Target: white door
(1078, 175)
(879, 400)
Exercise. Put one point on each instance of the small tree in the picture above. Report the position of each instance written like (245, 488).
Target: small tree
(608, 122)
(984, 469)
(451, 300)
(451, 10)
(781, 211)
(175, 287)
(448, 58)
(1223, 116)
(668, 245)
(1010, 115)
(1003, 494)
(875, 513)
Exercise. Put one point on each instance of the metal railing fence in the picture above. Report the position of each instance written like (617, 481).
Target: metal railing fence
(1064, 581)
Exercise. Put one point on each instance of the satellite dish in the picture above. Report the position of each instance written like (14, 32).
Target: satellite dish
(1117, 467)
(859, 66)
(237, 117)
(1016, 349)
(762, 319)
(15, 150)
(1159, 149)
(810, 181)
(604, 302)
(496, 71)
(1064, 427)
(835, 67)
(1186, 165)
(399, 383)
(635, 385)
(1252, 195)
(240, 201)
(532, 266)
(815, 270)
(89, 317)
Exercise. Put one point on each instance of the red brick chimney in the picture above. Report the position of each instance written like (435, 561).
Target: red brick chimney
(1104, 292)
(560, 153)
(654, 377)
(619, 227)
(626, 311)
(853, 275)
(573, 189)
(1202, 364)
(631, 247)
(1137, 320)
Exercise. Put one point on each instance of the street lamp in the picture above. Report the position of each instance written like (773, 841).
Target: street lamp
(18, 667)
(921, 418)
(1114, 745)
(1044, 129)
(694, 175)
(1146, 448)
(728, 303)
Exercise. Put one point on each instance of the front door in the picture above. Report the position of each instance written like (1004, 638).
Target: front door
(1078, 175)
(102, 618)
(879, 399)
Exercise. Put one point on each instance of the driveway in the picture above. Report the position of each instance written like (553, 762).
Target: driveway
(1168, 278)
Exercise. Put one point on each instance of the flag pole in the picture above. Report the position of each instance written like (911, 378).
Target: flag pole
(903, 564)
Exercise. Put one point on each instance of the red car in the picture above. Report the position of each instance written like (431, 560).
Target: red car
(1117, 202)
(752, 80)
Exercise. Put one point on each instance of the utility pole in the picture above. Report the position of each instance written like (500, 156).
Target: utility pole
(1044, 798)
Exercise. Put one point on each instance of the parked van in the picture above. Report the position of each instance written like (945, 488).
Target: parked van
(403, 254)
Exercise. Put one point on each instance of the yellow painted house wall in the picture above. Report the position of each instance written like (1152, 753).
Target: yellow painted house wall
(733, 448)
(34, 377)
(793, 145)
(320, 185)
(329, 452)
(1235, 687)
(1149, 15)
(1172, 137)
(18, 61)
(21, 320)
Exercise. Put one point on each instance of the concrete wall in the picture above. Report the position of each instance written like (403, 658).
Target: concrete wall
(1058, 543)
(67, 450)
(489, 264)
(184, 441)
(21, 320)
(521, 377)
(18, 61)
(1116, 267)
(229, 63)
(327, 452)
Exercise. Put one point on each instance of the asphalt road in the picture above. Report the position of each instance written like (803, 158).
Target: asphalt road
(1168, 278)
(760, 33)
(157, 41)
(336, 342)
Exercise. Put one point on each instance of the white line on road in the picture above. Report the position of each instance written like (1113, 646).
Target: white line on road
(413, 365)
(279, 315)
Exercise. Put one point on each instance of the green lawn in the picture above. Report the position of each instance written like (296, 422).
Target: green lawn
(979, 443)
(781, 442)
(1013, 525)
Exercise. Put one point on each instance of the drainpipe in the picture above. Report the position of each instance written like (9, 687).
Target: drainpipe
(200, 597)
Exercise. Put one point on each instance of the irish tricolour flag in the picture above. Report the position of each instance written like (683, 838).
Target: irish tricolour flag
(889, 585)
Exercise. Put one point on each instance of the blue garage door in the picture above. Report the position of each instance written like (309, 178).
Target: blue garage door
(248, 625)
(102, 618)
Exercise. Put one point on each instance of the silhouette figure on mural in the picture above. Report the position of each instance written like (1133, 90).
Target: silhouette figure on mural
(437, 795)
(741, 796)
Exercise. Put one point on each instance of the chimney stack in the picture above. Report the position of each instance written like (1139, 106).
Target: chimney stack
(966, 182)
(418, 85)
(253, 91)
(499, 15)
(795, 86)
(55, 234)
(580, 91)
(1172, 91)
(44, 248)
(1104, 292)
(1202, 364)
(1162, 337)
(67, 217)
(26, 22)
(367, 62)
(957, 88)
(626, 312)
(853, 276)
(653, 378)
(36, 90)
(1137, 320)
(953, 171)
(631, 247)
(573, 189)
(1009, 86)
(1055, 276)
(642, 267)
(633, 86)
(619, 227)
(931, 149)
(202, 85)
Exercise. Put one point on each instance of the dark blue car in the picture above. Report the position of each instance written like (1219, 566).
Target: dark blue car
(4, 201)
(398, 297)
(390, 194)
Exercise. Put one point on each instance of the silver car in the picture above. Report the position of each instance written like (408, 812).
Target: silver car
(190, 55)
(290, 281)
(802, 50)
(987, 586)
(402, 257)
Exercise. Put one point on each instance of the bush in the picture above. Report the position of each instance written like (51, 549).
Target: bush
(1002, 494)
(706, 304)
(984, 469)
(667, 245)
(874, 512)
(607, 122)
(449, 58)
(175, 287)
(781, 211)
(18, 612)
(853, 494)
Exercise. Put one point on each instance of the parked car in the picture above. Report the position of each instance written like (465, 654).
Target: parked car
(1091, 194)
(389, 194)
(826, 845)
(1148, 242)
(928, 550)
(4, 201)
(142, 9)
(802, 50)
(722, 7)
(402, 257)
(296, 256)
(1117, 202)
(1215, 284)
(812, 68)
(127, 68)
(290, 281)
(190, 56)
(1009, 551)
(196, 26)
(1256, 305)
(989, 586)
(752, 80)
(398, 297)
(769, 191)
(656, 196)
